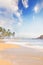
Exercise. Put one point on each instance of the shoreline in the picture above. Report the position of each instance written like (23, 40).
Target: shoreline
(19, 55)
(4, 46)
(26, 44)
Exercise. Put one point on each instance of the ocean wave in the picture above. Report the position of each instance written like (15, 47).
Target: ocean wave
(25, 44)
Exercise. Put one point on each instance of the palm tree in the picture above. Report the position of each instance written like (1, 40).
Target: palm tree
(13, 34)
(6, 33)
(3, 32)
(0, 32)
(0, 29)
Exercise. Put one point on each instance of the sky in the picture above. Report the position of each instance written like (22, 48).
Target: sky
(24, 17)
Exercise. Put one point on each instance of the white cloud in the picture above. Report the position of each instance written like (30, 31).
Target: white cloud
(19, 24)
(2, 23)
(38, 7)
(7, 24)
(25, 3)
(11, 6)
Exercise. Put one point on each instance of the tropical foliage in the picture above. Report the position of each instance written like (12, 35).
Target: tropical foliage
(6, 33)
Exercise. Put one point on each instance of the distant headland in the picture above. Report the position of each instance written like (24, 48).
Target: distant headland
(40, 37)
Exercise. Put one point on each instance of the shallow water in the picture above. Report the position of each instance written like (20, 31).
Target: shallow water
(26, 42)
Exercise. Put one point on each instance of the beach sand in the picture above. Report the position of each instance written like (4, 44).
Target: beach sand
(12, 54)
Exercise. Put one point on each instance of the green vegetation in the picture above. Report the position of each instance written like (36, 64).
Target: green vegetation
(6, 33)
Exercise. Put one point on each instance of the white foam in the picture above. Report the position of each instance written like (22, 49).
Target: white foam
(24, 44)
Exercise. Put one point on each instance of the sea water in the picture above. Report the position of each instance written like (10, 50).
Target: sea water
(26, 42)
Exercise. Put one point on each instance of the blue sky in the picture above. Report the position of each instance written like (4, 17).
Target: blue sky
(25, 17)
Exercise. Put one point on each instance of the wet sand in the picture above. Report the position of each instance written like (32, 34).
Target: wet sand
(12, 54)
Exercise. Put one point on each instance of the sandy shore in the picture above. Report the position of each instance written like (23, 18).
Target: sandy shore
(12, 54)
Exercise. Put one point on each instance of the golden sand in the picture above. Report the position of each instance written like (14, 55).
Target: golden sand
(4, 62)
(35, 59)
(4, 46)
(7, 46)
